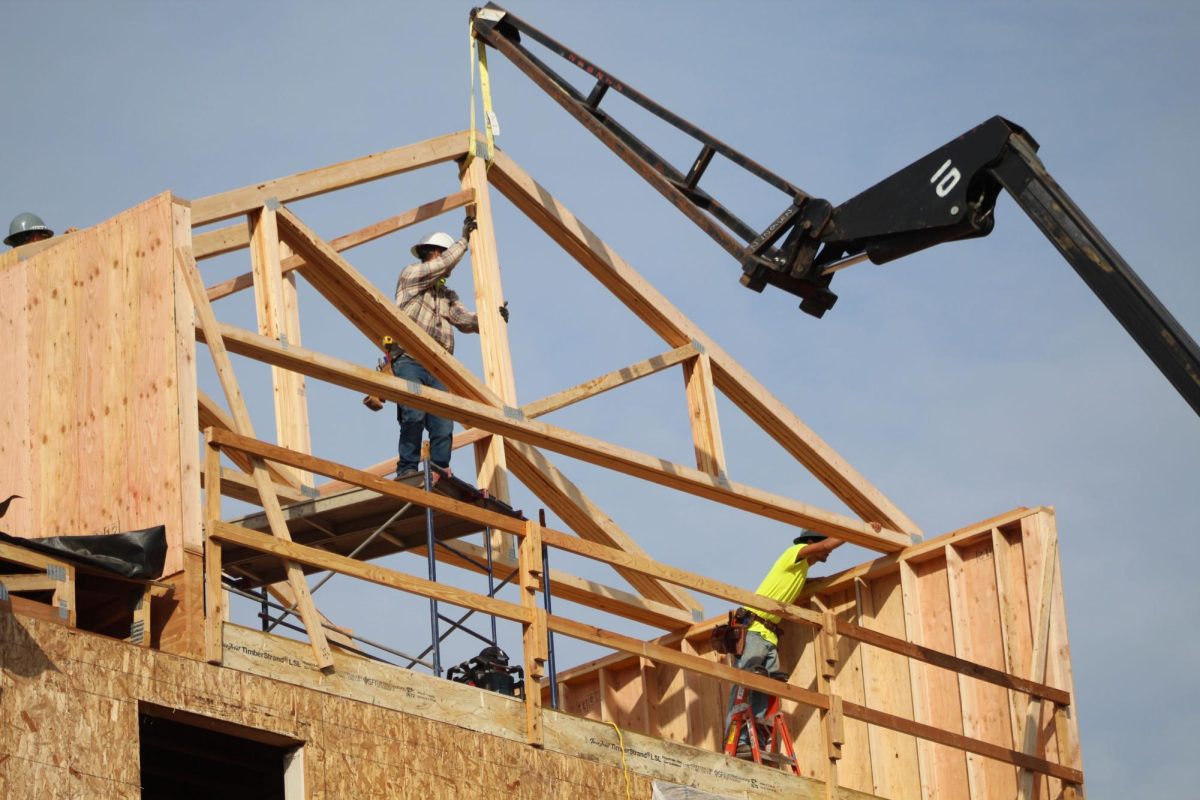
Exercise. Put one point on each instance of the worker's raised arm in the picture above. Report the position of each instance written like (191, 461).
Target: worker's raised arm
(419, 277)
(818, 551)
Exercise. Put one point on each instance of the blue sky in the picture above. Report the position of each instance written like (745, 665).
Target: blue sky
(962, 381)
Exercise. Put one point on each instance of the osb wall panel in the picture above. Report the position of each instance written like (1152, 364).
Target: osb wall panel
(69, 704)
(91, 434)
(974, 593)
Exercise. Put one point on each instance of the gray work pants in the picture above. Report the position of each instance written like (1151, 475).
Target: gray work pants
(759, 656)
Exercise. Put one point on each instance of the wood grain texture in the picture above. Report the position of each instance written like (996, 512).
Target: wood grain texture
(214, 208)
(92, 440)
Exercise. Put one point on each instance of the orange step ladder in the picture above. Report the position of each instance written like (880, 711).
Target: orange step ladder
(777, 749)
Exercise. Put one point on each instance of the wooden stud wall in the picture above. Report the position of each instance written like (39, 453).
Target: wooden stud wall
(944, 594)
(99, 384)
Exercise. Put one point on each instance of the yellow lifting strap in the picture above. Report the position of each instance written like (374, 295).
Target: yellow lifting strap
(491, 123)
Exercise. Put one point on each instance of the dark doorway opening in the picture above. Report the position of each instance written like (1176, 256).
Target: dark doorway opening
(186, 756)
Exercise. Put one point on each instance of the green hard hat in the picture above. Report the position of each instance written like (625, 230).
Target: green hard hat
(24, 223)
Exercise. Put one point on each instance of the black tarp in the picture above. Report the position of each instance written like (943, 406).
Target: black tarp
(135, 554)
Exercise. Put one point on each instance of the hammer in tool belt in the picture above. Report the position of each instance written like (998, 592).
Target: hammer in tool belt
(390, 351)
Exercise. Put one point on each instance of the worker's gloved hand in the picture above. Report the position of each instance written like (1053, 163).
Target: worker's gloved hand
(504, 311)
(469, 224)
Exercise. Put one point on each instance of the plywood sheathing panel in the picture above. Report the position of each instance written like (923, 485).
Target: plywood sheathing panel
(93, 393)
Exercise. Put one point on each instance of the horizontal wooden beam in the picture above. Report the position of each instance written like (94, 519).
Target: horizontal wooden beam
(930, 548)
(957, 740)
(241, 486)
(676, 329)
(610, 380)
(326, 179)
(666, 655)
(231, 238)
(953, 663)
(343, 565)
(341, 244)
(28, 582)
(569, 587)
(787, 691)
(558, 400)
(366, 480)
(569, 443)
(212, 415)
(679, 577)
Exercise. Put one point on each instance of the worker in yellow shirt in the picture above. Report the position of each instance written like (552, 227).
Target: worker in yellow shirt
(783, 583)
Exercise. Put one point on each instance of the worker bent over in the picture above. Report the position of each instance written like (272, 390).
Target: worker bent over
(784, 582)
(422, 294)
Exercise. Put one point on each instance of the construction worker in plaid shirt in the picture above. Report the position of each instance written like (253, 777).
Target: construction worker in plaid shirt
(422, 294)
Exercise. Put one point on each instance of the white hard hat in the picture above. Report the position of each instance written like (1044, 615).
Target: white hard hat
(438, 239)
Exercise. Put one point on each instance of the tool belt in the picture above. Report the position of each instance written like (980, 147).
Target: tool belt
(730, 638)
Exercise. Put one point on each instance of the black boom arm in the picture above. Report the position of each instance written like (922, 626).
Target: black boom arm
(949, 194)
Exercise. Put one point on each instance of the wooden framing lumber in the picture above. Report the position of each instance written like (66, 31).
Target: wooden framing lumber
(916, 553)
(893, 644)
(534, 632)
(490, 462)
(610, 380)
(376, 316)
(566, 586)
(241, 418)
(1037, 667)
(241, 486)
(702, 415)
(567, 397)
(324, 560)
(679, 577)
(656, 311)
(279, 319)
(325, 179)
(212, 415)
(342, 243)
(61, 574)
(587, 519)
(366, 480)
(662, 654)
(574, 445)
(554, 402)
(28, 582)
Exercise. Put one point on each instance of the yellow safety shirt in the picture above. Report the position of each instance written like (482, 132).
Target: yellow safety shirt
(783, 583)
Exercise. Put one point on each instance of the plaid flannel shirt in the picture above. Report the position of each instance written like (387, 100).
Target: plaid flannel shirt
(430, 303)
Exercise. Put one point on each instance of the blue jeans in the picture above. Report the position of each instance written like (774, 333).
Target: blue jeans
(413, 422)
(758, 656)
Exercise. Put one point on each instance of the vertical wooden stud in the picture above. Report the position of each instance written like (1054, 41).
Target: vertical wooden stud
(1005, 594)
(1037, 668)
(702, 414)
(911, 595)
(279, 319)
(214, 601)
(188, 393)
(958, 620)
(491, 466)
(534, 632)
(214, 595)
(139, 631)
